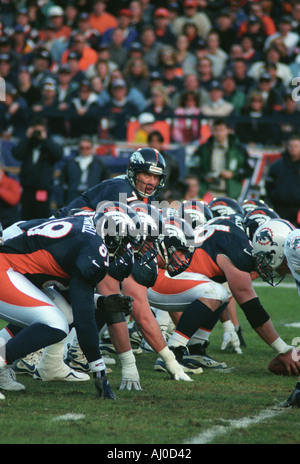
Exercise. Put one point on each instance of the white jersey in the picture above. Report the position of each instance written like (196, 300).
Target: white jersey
(292, 253)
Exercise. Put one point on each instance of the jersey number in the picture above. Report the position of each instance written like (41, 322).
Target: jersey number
(51, 229)
(203, 233)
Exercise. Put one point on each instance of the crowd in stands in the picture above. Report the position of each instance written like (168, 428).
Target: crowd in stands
(90, 68)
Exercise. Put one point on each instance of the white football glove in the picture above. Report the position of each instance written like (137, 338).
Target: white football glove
(230, 337)
(130, 375)
(172, 365)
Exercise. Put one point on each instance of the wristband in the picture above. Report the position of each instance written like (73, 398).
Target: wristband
(280, 347)
(97, 366)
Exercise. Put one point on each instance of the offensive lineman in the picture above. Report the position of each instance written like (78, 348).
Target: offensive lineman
(225, 254)
(68, 252)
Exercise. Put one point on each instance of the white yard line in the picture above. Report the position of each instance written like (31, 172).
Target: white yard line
(210, 434)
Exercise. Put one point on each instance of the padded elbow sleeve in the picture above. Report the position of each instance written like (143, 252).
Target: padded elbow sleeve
(255, 313)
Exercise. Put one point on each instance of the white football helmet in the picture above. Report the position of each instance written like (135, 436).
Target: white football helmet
(268, 249)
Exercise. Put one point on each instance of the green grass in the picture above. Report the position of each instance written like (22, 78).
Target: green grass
(166, 412)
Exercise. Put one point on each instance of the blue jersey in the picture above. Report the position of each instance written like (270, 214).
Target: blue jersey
(69, 253)
(221, 236)
(115, 189)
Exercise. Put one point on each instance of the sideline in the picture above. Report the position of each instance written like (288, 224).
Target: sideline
(209, 435)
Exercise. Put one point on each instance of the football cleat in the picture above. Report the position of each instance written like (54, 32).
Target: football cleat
(196, 354)
(75, 359)
(2, 397)
(27, 365)
(8, 380)
(107, 347)
(145, 347)
(188, 368)
(293, 400)
(134, 335)
(65, 374)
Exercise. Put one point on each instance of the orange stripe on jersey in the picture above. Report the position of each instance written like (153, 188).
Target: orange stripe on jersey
(12, 295)
(202, 263)
(38, 262)
(168, 286)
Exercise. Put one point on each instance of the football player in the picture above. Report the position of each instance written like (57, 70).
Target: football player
(225, 255)
(145, 176)
(276, 251)
(75, 254)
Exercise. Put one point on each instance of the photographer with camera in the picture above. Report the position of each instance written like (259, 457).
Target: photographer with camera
(38, 154)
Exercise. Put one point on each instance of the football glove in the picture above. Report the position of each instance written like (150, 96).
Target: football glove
(230, 337)
(130, 375)
(103, 389)
(173, 367)
(115, 303)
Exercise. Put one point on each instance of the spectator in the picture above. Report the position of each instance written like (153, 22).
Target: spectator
(129, 33)
(285, 32)
(133, 95)
(21, 44)
(287, 120)
(38, 154)
(273, 55)
(6, 71)
(272, 98)
(48, 107)
(231, 94)
(191, 32)
(56, 17)
(217, 106)
(118, 52)
(103, 55)
(55, 47)
(66, 88)
(184, 58)
(100, 70)
(156, 141)
(256, 31)
(87, 55)
(216, 54)
(100, 19)
(84, 111)
(191, 84)
(119, 110)
(205, 72)
(283, 182)
(244, 83)
(191, 13)
(40, 67)
(221, 163)
(26, 88)
(249, 53)
(72, 60)
(224, 26)
(146, 121)
(252, 128)
(80, 173)
(137, 20)
(6, 49)
(172, 83)
(136, 73)
(159, 104)
(13, 114)
(92, 36)
(10, 195)
(187, 130)
(162, 27)
(150, 47)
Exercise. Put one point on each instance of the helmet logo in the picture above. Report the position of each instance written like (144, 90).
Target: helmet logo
(265, 237)
(294, 243)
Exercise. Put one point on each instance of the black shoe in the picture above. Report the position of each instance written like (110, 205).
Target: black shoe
(178, 351)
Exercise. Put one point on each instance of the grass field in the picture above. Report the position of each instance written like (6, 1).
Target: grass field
(235, 406)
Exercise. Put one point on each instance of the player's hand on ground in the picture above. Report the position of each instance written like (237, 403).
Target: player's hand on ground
(103, 388)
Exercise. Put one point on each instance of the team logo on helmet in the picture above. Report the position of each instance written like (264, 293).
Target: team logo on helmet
(294, 243)
(265, 237)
